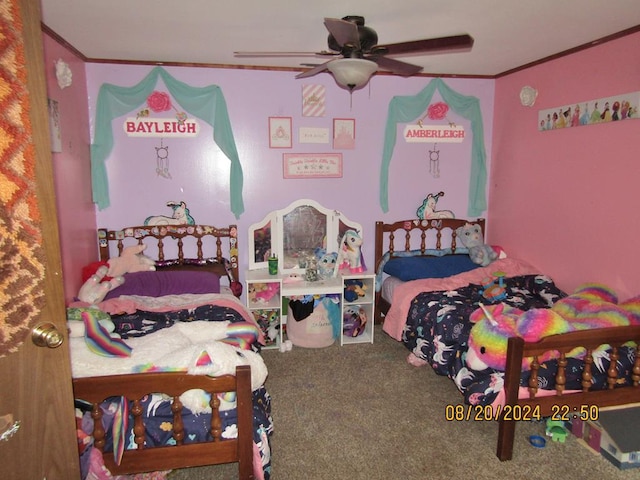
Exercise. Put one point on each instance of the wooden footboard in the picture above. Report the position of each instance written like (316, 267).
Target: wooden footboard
(563, 344)
(95, 389)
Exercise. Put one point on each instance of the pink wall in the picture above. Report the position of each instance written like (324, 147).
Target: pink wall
(76, 213)
(200, 172)
(567, 200)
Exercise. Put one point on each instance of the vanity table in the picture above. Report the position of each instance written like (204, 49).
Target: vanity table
(292, 235)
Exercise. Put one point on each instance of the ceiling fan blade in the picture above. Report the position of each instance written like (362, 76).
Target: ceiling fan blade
(345, 33)
(314, 71)
(396, 66)
(430, 45)
(323, 53)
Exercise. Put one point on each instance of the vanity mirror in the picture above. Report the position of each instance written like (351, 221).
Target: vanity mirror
(294, 233)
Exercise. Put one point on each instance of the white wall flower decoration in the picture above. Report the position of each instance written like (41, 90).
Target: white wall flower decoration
(63, 74)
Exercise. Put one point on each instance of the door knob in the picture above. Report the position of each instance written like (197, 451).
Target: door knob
(47, 335)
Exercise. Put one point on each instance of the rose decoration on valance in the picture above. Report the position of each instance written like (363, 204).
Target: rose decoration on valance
(159, 102)
(436, 111)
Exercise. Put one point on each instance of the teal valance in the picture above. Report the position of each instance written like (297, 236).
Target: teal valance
(206, 103)
(409, 108)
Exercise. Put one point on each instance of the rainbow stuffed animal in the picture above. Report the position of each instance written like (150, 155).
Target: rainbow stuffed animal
(591, 306)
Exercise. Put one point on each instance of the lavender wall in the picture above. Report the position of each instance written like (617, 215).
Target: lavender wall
(200, 172)
(567, 200)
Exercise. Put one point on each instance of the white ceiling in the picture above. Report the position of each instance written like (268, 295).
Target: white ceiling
(507, 33)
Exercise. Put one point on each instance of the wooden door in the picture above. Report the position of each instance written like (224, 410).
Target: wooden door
(35, 382)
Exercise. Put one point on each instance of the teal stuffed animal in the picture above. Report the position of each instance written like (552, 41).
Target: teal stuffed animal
(326, 262)
(470, 235)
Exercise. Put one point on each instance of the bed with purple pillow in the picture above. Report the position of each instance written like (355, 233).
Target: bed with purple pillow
(190, 308)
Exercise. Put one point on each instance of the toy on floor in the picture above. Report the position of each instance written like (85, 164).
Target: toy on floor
(470, 235)
(556, 430)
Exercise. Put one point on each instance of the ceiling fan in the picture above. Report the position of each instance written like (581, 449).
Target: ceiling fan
(361, 56)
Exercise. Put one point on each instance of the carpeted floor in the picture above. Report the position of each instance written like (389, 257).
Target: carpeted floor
(361, 412)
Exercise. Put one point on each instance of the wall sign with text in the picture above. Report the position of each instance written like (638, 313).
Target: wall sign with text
(433, 133)
(160, 127)
(312, 165)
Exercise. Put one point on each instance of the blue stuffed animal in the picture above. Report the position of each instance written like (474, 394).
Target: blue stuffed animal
(326, 262)
(470, 235)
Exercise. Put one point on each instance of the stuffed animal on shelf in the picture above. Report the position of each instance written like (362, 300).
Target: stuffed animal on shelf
(354, 289)
(591, 306)
(470, 235)
(263, 292)
(354, 321)
(350, 253)
(102, 277)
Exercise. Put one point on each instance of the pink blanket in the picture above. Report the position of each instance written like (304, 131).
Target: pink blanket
(403, 294)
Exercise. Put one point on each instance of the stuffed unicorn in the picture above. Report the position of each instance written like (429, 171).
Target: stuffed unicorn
(349, 253)
(591, 306)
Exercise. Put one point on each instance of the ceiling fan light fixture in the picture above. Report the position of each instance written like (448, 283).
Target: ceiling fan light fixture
(352, 73)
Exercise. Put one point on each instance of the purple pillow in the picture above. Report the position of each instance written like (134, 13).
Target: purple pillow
(169, 282)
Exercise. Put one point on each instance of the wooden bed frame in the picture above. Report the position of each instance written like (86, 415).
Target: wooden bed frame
(413, 236)
(164, 237)
(188, 241)
(518, 349)
(218, 451)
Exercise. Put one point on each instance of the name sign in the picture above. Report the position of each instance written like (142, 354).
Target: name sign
(434, 133)
(160, 127)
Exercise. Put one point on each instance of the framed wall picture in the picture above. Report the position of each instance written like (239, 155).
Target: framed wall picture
(312, 165)
(344, 133)
(280, 132)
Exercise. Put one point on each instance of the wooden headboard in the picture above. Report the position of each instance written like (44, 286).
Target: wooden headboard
(414, 234)
(417, 236)
(180, 246)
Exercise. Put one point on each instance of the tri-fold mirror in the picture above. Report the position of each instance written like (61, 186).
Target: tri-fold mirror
(294, 233)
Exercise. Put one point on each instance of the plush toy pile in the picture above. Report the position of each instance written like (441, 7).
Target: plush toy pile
(590, 306)
(102, 277)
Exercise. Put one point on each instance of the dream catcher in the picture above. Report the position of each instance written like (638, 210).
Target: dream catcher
(436, 111)
(162, 161)
(434, 161)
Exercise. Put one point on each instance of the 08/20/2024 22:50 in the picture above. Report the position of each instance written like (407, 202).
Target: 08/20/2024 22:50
(458, 413)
